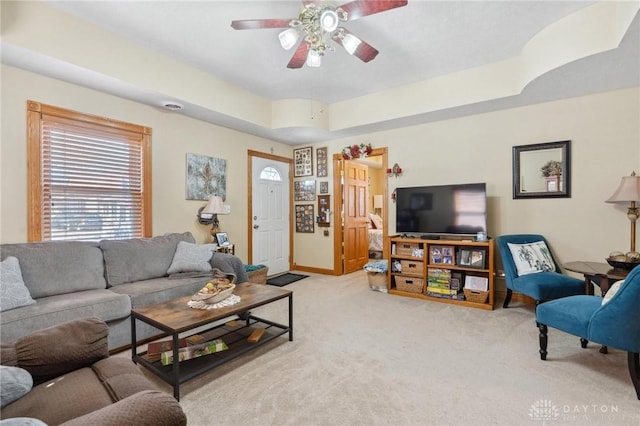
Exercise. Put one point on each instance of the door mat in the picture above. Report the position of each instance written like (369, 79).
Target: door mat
(286, 278)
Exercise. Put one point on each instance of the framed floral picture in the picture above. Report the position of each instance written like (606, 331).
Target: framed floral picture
(206, 176)
(303, 162)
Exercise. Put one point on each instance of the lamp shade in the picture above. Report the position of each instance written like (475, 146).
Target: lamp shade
(377, 201)
(628, 190)
(288, 38)
(214, 206)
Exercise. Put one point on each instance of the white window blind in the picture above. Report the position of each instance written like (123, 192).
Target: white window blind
(92, 183)
(91, 179)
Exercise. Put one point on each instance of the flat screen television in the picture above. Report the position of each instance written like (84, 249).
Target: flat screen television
(442, 210)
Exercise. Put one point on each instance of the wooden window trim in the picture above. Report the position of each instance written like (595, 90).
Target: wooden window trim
(35, 112)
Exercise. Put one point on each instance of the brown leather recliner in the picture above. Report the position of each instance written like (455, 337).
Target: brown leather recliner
(75, 382)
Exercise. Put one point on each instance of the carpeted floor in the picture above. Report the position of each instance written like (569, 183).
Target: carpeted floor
(361, 357)
(285, 279)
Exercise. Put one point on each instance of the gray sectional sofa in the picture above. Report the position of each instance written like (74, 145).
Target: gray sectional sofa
(72, 279)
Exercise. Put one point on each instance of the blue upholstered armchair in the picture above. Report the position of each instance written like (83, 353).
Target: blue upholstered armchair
(534, 272)
(615, 323)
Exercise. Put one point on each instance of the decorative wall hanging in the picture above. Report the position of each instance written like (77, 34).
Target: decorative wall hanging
(303, 162)
(322, 162)
(356, 151)
(542, 170)
(304, 218)
(304, 190)
(324, 203)
(206, 176)
(324, 187)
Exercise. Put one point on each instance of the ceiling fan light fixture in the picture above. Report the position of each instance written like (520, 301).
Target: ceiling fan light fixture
(329, 20)
(351, 43)
(289, 38)
(314, 59)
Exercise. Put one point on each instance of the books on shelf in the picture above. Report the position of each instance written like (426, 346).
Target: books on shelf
(444, 293)
(439, 278)
(195, 351)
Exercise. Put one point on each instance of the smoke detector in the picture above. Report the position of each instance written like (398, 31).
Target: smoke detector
(172, 106)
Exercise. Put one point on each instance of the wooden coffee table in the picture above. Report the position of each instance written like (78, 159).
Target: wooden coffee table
(176, 319)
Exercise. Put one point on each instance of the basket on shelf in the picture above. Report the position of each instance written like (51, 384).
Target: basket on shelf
(257, 274)
(409, 284)
(476, 296)
(406, 249)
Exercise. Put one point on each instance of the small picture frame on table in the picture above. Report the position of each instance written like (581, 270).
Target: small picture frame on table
(222, 239)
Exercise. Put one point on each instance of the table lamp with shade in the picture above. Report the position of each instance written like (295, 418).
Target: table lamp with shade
(208, 215)
(629, 192)
(377, 202)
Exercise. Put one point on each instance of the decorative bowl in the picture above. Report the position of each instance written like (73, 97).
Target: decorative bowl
(623, 265)
(214, 298)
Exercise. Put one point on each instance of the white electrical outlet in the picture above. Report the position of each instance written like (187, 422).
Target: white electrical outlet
(227, 209)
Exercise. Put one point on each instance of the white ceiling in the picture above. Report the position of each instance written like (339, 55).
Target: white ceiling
(418, 42)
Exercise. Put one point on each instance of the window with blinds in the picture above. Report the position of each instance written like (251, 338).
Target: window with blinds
(89, 176)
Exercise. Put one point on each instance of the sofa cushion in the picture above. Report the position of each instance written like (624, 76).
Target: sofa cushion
(13, 292)
(56, 401)
(139, 259)
(48, 311)
(191, 257)
(158, 290)
(58, 267)
(15, 382)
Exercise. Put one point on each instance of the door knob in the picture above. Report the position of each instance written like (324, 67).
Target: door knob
(256, 226)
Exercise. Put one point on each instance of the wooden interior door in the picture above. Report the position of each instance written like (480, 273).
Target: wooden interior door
(355, 233)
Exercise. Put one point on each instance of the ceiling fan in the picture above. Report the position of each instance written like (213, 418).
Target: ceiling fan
(318, 20)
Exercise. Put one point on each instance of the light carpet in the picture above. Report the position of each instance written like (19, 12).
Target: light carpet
(361, 357)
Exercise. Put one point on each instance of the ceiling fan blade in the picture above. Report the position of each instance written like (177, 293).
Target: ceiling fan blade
(300, 56)
(364, 51)
(256, 24)
(359, 8)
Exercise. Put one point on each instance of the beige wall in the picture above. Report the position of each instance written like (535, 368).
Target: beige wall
(604, 130)
(173, 136)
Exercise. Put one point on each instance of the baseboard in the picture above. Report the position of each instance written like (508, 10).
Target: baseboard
(314, 270)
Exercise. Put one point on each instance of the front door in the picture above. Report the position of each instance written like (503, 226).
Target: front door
(270, 218)
(356, 186)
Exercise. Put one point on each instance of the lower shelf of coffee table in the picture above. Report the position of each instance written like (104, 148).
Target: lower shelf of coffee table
(235, 337)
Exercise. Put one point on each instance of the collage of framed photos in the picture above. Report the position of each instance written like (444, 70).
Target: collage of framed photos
(305, 190)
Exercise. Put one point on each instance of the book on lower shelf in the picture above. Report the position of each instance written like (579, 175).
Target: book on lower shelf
(443, 292)
(195, 351)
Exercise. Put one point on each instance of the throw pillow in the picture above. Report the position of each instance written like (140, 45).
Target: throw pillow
(16, 382)
(376, 220)
(532, 258)
(612, 291)
(22, 421)
(13, 292)
(191, 257)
